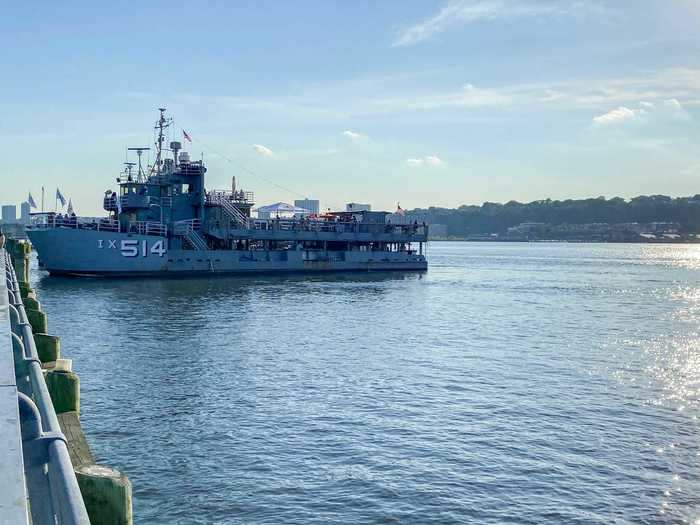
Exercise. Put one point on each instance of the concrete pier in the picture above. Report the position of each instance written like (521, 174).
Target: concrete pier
(94, 494)
(36, 475)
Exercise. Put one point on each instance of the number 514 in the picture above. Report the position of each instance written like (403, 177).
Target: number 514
(130, 248)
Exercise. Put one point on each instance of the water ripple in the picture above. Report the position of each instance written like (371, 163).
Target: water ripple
(512, 383)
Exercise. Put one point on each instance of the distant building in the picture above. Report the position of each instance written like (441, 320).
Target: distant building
(313, 205)
(25, 212)
(356, 206)
(9, 214)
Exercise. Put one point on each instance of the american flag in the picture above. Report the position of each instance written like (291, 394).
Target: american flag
(186, 135)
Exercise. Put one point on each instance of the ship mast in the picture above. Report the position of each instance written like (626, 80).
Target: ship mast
(161, 126)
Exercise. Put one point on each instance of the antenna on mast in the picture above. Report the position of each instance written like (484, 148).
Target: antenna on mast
(127, 170)
(141, 175)
(161, 126)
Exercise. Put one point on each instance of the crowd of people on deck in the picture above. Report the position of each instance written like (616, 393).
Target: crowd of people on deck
(70, 220)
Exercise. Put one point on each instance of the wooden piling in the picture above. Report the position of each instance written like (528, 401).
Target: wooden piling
(48, 347)
(64, 388)
(38, 320)
(107, 495)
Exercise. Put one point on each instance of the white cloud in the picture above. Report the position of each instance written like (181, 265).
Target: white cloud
(263, 150)
(457, 13)
(377, 98)
(353, 135)
(663, 111)
(616, 116)
(673, 109)
(430, 160)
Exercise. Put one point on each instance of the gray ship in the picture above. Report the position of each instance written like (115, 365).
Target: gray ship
(163, 221)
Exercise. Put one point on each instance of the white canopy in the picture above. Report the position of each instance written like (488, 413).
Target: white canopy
(282, 207)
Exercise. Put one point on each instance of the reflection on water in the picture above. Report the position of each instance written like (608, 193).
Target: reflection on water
(512, 383)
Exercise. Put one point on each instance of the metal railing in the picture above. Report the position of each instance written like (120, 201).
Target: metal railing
(237, 196)
(130, 200)
(45, 451)
(184, 227)
(148, 228)
(196, 240)
(301, 225)
(189, 229)
(227, 202)
(53, 220)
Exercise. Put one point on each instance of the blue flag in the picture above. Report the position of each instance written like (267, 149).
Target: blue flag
(60, 197)
(30, 200)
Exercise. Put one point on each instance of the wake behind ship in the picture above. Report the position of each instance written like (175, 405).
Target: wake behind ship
(162, 220)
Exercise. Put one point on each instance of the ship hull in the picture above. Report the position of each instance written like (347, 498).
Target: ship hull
(66, 251)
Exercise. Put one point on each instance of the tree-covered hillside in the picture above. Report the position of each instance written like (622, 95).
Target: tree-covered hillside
(493, 217)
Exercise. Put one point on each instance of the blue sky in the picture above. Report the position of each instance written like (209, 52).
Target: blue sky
(423, 103)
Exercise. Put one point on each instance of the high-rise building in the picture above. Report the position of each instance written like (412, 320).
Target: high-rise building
(25, 211)
(9, 214)
(313, 205)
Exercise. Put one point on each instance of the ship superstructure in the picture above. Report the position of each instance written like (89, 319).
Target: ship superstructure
(162, 219)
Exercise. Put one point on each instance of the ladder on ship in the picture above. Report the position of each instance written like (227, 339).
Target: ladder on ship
(188, 230)
(196, 240)
(232, 212)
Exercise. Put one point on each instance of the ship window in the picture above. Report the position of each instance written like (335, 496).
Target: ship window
(170, 260)
(185, 188)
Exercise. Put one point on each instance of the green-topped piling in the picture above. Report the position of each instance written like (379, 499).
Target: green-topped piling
(107, 494)
(64, 388)
(38, 320)
(19, 251)
(31, 302)
(48, 347)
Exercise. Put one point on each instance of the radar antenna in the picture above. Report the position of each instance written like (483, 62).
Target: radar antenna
(141, 174)
(127, 170)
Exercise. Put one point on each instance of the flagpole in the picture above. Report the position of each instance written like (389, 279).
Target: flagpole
(42, 199)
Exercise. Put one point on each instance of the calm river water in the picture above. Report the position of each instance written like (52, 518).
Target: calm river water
(511, 383)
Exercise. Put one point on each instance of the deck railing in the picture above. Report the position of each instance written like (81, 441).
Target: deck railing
(148, 228)
(184, 227)
(336, 226)
(52, 220)
(214, 196)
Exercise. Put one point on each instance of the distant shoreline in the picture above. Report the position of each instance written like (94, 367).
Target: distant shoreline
(548, 241)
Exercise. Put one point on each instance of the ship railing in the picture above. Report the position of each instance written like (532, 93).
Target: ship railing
(216, 196)
(228, 204)
(184, 227)
(52, 220)
(131, 200)
(148, 228)
(298, 225)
